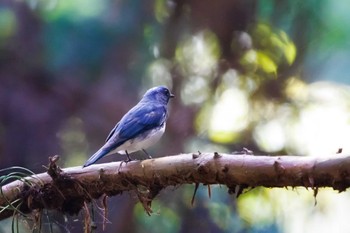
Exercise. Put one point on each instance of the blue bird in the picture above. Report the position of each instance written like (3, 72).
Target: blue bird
(139, 128)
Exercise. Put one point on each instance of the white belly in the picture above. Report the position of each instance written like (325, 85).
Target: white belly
(142, 142)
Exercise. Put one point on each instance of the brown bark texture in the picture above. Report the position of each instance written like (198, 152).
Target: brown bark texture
(68, 190)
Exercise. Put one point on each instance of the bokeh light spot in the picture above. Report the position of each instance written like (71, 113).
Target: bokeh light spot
(229, 116)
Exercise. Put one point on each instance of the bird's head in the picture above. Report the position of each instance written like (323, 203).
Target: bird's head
(161, 94)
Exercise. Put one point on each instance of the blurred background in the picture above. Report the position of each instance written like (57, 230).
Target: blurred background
(272, 76)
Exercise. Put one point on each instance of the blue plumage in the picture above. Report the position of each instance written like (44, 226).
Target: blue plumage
(139, 128)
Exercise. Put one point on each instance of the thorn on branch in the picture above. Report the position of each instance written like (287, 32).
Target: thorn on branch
(231, 189)
(54, 171)
(217, 155)
(54, 159)
(195, 156)
(315, 195)
(244, 151)
(146, 203)
(311, 181)
(194, 193)
(146, 195)
(247, 151)
(279, 168)
(101, 172)
(237, 189)
(209, 191)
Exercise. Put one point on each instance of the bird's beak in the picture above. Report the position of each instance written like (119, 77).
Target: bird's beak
(172, 95)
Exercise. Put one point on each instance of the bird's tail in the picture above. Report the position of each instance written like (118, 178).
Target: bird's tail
(99, 154)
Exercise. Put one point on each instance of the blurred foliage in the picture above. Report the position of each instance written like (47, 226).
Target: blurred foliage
(166, 219)
(268, 75)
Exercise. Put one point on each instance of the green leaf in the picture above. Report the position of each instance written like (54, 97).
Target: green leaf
(266, 63)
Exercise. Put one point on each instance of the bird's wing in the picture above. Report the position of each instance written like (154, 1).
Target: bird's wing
(143, 116)
(112, 132)
(140, 119)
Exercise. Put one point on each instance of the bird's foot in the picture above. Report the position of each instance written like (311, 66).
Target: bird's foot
(127, 160)
(149, 156)
(124, 161)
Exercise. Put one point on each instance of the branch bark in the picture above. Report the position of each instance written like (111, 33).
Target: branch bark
(69, 189)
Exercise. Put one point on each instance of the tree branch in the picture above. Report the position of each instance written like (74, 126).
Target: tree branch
(67, 190)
